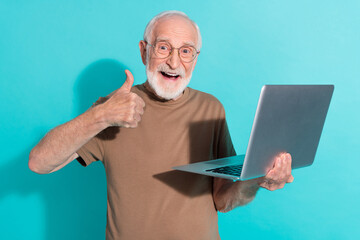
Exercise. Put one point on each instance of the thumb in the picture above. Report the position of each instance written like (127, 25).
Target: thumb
(126, 87)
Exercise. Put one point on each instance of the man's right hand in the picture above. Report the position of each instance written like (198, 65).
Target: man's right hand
(59, 146)
(124, 108)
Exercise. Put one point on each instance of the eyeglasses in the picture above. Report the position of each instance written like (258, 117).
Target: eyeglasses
(163, 49)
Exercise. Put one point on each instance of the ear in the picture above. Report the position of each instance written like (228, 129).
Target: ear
(142, 46)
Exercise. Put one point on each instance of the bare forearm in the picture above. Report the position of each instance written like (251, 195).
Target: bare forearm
(63, 141)
(123, 109)
(228, 195)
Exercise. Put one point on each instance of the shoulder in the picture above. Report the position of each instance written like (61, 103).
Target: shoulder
(206, 104)
(204, 97)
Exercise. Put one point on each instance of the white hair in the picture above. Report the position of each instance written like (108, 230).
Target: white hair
(150, 25)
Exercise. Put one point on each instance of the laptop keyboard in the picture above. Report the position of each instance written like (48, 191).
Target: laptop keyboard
(233, 170)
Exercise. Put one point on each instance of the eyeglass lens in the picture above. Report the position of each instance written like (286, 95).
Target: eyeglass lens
(163, 49)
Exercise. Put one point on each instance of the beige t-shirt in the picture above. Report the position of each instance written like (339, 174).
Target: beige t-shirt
(146, 198)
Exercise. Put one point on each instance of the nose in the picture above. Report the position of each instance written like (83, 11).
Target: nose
(174, 60)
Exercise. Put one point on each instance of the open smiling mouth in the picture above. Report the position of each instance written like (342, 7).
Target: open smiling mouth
(170, 75)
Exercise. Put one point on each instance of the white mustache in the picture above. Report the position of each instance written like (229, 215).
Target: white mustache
(165, 68)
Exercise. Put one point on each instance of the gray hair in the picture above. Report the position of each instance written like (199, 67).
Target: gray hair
(150, 25)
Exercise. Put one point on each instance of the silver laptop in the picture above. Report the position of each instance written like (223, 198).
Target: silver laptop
(289, 118)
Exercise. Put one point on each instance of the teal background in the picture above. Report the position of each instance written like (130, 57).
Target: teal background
(57, 57)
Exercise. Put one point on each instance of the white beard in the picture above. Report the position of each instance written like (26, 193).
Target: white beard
(168, 90)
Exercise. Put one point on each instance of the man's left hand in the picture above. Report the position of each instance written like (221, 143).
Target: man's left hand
(279, 175)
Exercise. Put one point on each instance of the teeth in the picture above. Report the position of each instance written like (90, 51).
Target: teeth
(171, 74)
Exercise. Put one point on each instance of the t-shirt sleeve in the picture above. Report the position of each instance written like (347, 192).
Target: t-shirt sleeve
(93, 150)
(90, 152)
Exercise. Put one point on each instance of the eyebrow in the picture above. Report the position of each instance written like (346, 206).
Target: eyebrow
(167, 39)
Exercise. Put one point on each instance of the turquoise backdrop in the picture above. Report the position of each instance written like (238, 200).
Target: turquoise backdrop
(57, 57)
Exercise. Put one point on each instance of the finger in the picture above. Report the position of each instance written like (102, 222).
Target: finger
(264, 185)
(270, 175)
(126, 87)
(279, 169)
(139, 110)
(268, 186)
(287, 166)
(279, 164)
(291, 179)
(137, 117)
(289, 162)
(285, 171)
(133, 125)
(140, 102)
(286, 162)
(272, 172)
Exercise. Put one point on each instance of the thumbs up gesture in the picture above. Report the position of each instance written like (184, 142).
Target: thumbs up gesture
(124, 108)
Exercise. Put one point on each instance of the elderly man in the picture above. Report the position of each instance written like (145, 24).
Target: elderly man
(140, 132)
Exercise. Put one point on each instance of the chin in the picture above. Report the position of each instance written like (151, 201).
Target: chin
(167, 88)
